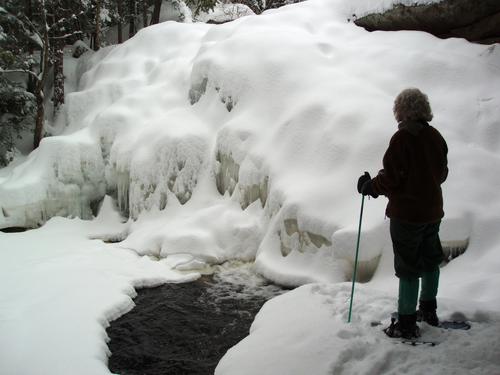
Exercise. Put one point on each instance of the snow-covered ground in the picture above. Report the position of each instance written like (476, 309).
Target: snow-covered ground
(305, 332)
(244, 141)
(59, 290)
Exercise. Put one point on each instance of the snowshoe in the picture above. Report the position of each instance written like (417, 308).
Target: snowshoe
(403, 326)
(427, 313)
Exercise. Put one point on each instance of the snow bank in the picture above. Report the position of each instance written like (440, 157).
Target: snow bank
(305, 332)
(60, 290)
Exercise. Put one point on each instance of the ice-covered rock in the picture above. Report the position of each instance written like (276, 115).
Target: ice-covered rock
(63, 177)
(79, 48)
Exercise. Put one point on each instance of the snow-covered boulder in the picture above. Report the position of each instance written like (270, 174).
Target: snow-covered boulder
(63, 177)
(474, 21)
(79, 48)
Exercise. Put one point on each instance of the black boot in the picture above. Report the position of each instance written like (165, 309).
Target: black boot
(404, 326)
(427, 312)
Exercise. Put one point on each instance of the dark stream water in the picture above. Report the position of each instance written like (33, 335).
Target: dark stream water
(187, 328)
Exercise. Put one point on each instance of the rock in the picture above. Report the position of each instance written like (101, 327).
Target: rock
(79, 48)
(476, 21)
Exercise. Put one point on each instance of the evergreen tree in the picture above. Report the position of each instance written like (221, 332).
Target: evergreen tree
(23, 45)
(17, 105)
(17, 111)
(34, 40)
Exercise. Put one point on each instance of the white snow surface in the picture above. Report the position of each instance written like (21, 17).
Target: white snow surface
(282, 112)
(305, 332)
(360, 8)
(59, 291)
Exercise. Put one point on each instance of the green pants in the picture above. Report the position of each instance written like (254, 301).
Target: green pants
(417, 254)
(408, 291)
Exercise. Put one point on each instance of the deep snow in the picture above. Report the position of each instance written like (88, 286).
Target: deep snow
(279, 113)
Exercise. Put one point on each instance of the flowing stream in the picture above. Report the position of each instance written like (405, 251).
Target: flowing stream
(187, 328)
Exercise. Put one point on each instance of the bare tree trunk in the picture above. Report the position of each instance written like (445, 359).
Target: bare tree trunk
(31, 84)
(44, 68)
(119, 6)
(28, 11)
(40, 115)
(155, 18)
(97, 41)
(144, 13)
(58, 95)
(132, 14)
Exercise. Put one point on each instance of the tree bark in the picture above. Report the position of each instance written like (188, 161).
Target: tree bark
(58, 95)
(31, 84)
(28, 11)
(132, 14)
(39, 91)
(97, 41)
(155, 18)
(119, 6)
(144, 13)
(40, 115)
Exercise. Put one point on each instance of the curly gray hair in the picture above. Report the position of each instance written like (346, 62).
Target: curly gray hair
(412, 104)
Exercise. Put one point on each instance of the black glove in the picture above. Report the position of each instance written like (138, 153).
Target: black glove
(367, 189)
(365, 186)
(362, 180)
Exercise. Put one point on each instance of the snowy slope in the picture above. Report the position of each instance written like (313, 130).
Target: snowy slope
(245, 141)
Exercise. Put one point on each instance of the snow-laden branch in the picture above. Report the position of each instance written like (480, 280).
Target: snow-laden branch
(65, 19)
(31, 73)
(66, 35)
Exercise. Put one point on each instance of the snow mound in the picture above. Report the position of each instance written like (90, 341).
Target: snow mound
(308, 328)
(63, 177)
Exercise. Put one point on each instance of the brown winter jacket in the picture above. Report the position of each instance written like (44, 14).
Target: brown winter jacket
(415, 166)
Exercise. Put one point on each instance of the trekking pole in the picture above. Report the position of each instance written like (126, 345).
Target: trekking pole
(356, 258)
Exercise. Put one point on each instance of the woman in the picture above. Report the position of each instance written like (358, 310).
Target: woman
(415, 166)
